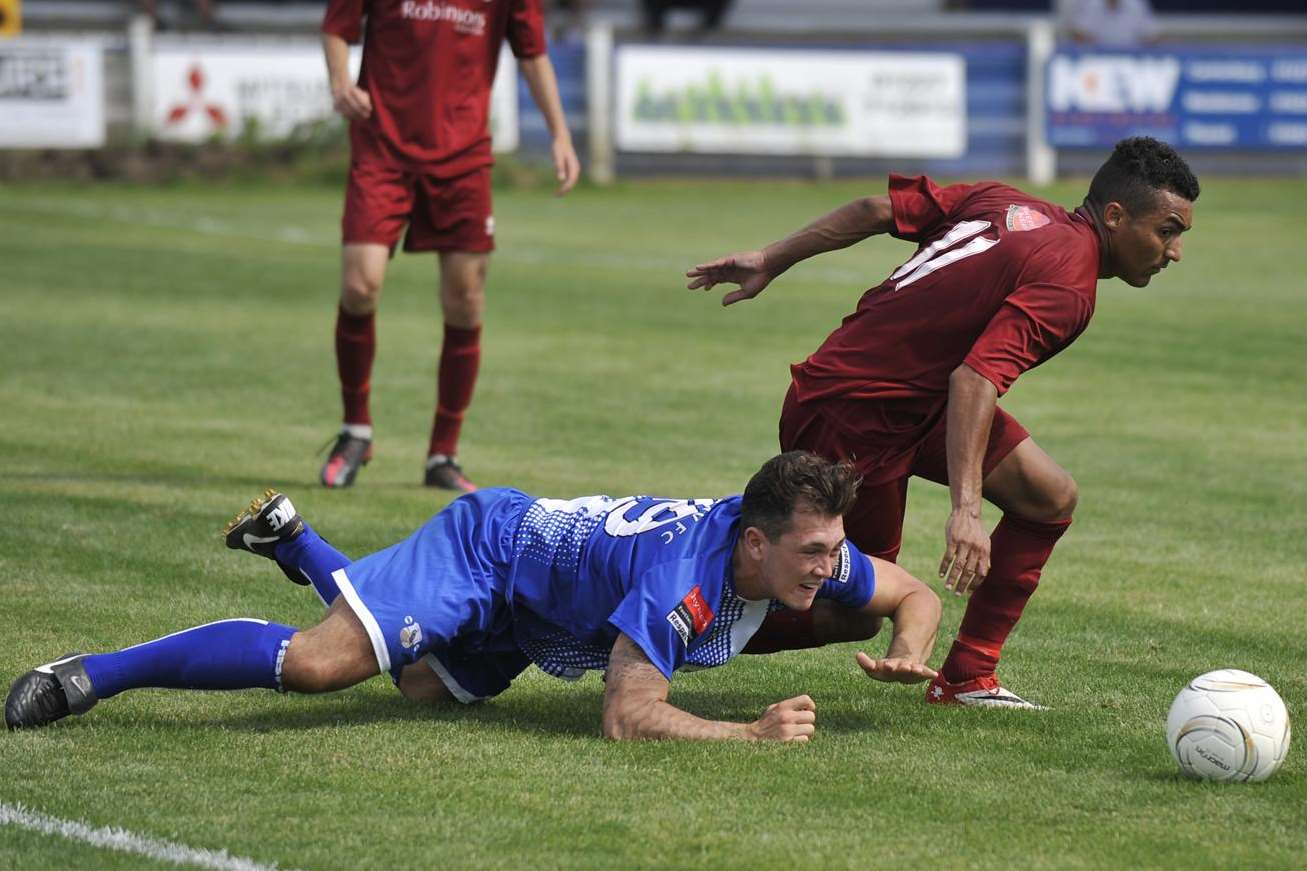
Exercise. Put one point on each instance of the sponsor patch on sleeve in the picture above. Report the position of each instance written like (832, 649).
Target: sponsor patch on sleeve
(844, 567)
(691, 616)
(1021, 218)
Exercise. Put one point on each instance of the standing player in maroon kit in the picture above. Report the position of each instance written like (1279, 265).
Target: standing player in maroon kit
(420, 156)
(908, 384)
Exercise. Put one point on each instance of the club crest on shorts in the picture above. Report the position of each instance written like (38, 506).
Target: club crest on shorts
(411, 635)
(490, 225)
(1021, 218)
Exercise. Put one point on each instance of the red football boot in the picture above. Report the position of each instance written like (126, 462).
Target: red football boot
(984, 691)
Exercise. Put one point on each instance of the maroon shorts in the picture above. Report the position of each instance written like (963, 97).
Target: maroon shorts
(442, 214)
(888, 441)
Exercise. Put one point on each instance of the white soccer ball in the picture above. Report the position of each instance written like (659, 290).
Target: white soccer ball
(1228, 725)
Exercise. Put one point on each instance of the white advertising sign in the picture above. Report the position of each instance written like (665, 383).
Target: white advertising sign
(761, 101)
(206, 91)
(51, 94)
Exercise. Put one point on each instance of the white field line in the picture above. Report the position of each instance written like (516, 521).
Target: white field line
(126, 842)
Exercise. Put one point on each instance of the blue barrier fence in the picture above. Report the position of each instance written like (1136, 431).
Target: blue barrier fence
(1252, 97)
(996, 108)
(1213, 99)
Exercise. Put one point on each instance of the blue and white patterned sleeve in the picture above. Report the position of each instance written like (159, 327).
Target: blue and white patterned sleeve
(854, 580)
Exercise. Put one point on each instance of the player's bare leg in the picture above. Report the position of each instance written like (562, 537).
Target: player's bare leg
(333, 655)
(1037, 497)
(1030, 484)
(462, 302)
(362, 273)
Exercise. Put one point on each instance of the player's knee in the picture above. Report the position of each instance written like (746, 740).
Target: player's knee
(864, 626)
(463, 302)
(359, 293)
(1062, 498)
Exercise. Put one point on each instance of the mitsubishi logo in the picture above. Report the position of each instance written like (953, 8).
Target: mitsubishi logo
(195, 102)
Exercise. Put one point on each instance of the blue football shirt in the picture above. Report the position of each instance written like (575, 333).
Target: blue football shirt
(658, 570)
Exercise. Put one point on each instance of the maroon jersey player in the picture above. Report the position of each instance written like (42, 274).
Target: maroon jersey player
(908, 384)
(420, 159)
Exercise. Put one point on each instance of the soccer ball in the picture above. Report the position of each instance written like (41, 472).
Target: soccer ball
(1228, 725)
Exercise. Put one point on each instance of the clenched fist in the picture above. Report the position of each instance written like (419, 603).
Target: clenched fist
(791, 720)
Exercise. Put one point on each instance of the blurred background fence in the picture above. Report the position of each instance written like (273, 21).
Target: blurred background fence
(760, 87)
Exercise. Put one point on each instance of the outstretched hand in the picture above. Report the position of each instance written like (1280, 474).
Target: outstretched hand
(791, 720)
(897, 670)
(745, 269)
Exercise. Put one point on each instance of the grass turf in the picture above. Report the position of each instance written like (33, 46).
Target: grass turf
(165, 353)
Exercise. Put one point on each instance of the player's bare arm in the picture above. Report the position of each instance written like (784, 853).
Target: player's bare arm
(636, 707)
(915, 610)
(754, 270)
(971, 402)
(543, 84)
(348, 99)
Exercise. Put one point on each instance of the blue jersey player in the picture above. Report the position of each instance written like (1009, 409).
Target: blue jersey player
(639, 587)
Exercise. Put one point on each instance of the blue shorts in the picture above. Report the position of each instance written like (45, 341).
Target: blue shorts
(442, 594)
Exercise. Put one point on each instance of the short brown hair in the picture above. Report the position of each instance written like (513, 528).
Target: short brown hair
(796, 481)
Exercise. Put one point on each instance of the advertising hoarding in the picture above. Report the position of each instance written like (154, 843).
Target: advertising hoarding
(202, 92)
(788, 102)
(51, 94)
(1253, 98)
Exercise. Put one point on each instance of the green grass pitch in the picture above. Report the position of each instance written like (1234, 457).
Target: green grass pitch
(166, 353)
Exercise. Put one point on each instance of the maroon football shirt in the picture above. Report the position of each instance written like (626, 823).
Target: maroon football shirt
(1001, 281)
(429, 66)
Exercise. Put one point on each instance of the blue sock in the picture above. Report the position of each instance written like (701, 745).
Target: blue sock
(227, 655)
(309, 555)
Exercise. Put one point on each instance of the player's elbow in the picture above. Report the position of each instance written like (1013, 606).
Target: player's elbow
(879, 213)
(965, 376)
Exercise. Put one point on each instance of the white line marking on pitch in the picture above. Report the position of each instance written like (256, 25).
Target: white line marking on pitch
(126, 842)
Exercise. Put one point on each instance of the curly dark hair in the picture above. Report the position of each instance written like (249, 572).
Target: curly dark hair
(800, 481)
(1138, 168)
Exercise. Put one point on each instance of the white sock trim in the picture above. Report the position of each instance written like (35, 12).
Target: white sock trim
(358, 430)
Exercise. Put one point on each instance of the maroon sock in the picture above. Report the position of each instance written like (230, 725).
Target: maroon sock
(460, 355)
(356, 346)
(1018, 550)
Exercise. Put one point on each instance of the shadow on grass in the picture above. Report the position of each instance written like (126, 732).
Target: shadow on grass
(538, 713)
(532, 711)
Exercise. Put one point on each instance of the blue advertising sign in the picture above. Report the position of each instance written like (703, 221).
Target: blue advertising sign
(1193, 97)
